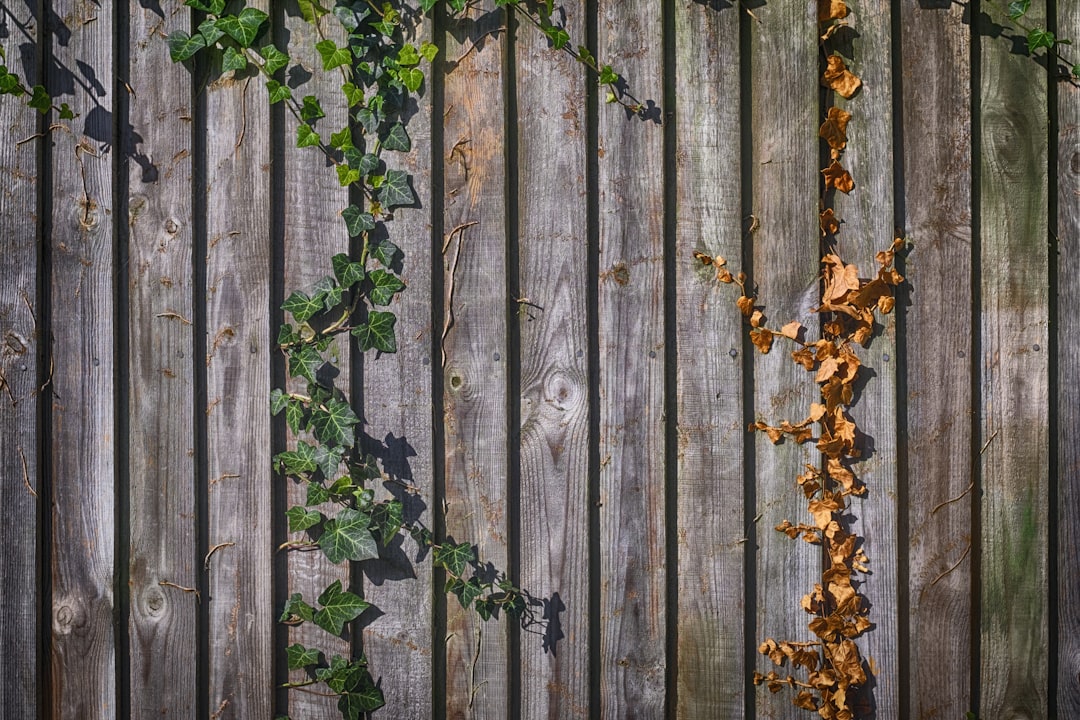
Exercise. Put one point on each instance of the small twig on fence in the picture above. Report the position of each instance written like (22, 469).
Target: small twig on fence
(223, 476)
(243, 116)
(206, 560)
(175, 315)
(26, 473)
(298, 545)
(472, 671)
(448, 320)
(943, 504)
(954, 566)
(166, 583)
(987, 444)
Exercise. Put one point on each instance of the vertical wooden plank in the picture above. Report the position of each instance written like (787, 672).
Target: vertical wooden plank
(631, 344)
(1068, 381)
(1014, 381)
(867, 215)
(938, 217)
(474, 347)
(161, 386)
(711, 667)
(552, 206)
(314, 232)
(238, 347)
(20, 431)
(397, 414)
(83, 652)
(784, 167)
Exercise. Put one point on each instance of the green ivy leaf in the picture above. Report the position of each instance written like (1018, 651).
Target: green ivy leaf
(209, 31)
(421, 535)
(586, 56)
(1017, 8)
(387, 518)
(347, 175)
(383, 286)
(411, 78)
(557, 35)
(9, 83)
(608, 76)
(1076, 70)
(39, 99)
(66, 113)
(353, 94)
(183, 46)
(301, 306)
(328, 292)
(368, 119)
(377, 332)
(286, 335)
(395, 190)
(311, 109)
(214, 7)
(385, 252)
(301, 657)
(275, 59)
(329, 459)
(466, 592)
(317, 494)
(348, 272)
(350, 17)
(342, 139)
(455, 558)
(485, 608)
(357, 221)
(408, 56)
(426, 5)
(458, 5)
(294, 416)
(305, 362)
(306, 137)
(311, 10)
(332, 55)
(366, 163)
(335, 423)
(347, 537)
(279, 400)
(1039, 38)
(233, 60)
(367, 698)
(278, 91)
(297, 609)
(429, 51)
(296, 462)
(397, 139)
(243, 28)
(301, 519)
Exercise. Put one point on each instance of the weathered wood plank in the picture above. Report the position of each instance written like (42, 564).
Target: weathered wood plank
(238, 347)
(867, 215)
(398, 420)
(784, 167)
(554, 510)
(938, 218)
(1013, 381)
(475, 348)
(711, 667)
(313, 233)
(1068, 381)
(162, 624)
(81, 246)
(633, 612)
(20, 310)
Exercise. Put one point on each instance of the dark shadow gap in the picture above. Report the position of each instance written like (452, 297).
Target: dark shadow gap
(513, 353)
(671, 356)
(1054, 409)
(592, 323)
(279, 498)
(746, 350)
(976, 355)
(438, 309)
(903, 516)
(121, 360)
(43, 296)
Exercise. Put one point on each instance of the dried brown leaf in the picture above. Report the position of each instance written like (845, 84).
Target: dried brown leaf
(830, 225)
(834, 129)
(837, 177)
(762, 339)
(838, 78)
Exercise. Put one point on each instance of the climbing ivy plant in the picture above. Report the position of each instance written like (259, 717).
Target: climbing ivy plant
(380, 70)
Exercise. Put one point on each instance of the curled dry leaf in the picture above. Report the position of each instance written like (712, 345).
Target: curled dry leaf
(792, 329)
(838, 78)
(837, 177)
(831, 10)
(834, 129)
(746, 305)
(830, 225)
(762, 339)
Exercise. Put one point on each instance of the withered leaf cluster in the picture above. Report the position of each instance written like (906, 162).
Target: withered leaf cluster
(830, 666)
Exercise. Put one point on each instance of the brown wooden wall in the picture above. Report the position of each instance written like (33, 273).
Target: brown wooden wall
(590, 441)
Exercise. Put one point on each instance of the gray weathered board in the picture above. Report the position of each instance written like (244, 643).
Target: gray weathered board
(572, 387)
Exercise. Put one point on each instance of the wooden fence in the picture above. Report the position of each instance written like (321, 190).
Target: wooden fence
(582, 418)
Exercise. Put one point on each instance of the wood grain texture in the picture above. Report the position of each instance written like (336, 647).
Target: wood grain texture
(475, 348)
(938, 445)
(314, 232)
(398, 424)
(784, 119)
(867, 214)
(1068, 382)
(238, 347)
(711, 667)
(20, 429)
(161, 481)
(82, 436)
(633, 609)
(554, 511)
(1013, 382)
